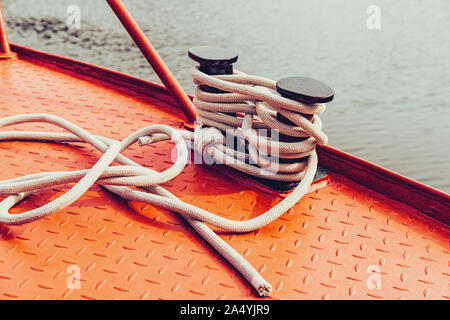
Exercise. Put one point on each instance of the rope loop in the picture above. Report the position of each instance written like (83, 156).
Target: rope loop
(129, 174)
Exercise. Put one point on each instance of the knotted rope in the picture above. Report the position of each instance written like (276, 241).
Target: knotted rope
(249, 95)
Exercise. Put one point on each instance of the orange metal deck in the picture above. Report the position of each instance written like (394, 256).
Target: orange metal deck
(323, 248)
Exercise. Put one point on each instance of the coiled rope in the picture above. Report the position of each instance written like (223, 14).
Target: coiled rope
(255, 98)
(249, 95)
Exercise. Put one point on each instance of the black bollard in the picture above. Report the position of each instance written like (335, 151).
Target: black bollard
(218, 61)
(305, 90)
(213, 61)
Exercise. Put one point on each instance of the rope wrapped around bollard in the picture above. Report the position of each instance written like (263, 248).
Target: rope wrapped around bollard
(253, 97)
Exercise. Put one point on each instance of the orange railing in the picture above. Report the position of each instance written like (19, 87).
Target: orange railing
(5, 50)
(153, 58)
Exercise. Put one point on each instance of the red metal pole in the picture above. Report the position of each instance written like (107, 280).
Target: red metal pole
(5, 50)
(153, 58)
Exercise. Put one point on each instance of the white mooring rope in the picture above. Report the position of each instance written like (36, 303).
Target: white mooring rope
(252, 96)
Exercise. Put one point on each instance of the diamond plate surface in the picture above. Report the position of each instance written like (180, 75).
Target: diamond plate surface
(326, 247)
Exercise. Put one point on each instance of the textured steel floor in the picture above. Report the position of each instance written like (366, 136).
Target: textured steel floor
(326, 247)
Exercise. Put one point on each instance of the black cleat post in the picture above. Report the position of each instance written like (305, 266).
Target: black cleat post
(213, 61)
(307, 91)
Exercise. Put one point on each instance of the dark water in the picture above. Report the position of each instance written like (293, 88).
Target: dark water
(392, 85)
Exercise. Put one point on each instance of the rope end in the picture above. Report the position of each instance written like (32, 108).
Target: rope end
(264, 290)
